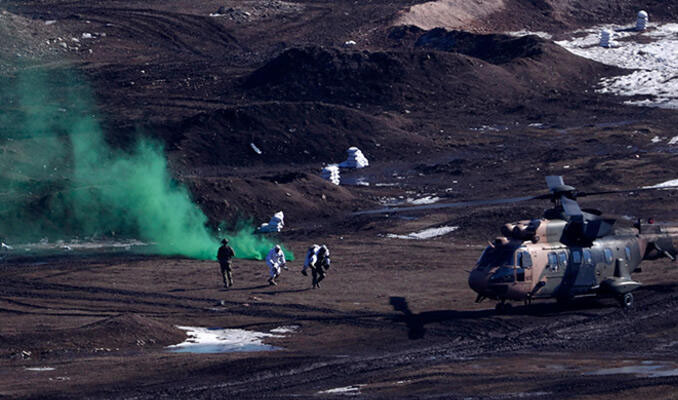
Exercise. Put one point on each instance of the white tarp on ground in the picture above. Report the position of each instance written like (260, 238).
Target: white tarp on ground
(331, 173)
(274, 225)
(653, 53)
(355, 159)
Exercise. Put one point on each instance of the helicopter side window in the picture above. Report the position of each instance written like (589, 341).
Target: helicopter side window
(627, 251)
(562, 259)
(553, 261)
(576, 256)
(608, 255)
(588, 258)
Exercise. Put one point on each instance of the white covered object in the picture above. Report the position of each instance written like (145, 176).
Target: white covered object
(356, 159)
(641, 22)
(606, 38)
(275, 224)
(331, 173)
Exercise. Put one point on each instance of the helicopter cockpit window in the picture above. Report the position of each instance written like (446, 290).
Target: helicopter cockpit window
(627, 251)
(608, 255)
(523, 259)
(503, 275)
(497, 256)
(576, 256)
(588, 258)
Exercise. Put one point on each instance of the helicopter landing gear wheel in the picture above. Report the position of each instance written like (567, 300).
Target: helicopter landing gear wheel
(626, 301)
(503, 308)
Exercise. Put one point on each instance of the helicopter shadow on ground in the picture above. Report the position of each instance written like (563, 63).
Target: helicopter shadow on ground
(416, 323)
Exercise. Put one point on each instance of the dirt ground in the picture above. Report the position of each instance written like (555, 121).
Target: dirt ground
(407, 328)
(437, 115)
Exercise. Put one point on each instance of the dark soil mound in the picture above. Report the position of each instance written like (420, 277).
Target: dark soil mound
(442, 71)
(287, 133)
(302, 197)
(124, 331)
(129, 329)
(316, 73)
(391, 80)
(539, 64)
(495, 49)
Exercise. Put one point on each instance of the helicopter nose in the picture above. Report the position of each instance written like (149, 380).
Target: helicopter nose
(477, 280)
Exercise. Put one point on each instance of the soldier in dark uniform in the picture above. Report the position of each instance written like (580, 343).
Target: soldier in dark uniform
(224, 255)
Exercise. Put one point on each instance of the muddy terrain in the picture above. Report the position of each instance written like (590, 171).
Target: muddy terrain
(446, 105)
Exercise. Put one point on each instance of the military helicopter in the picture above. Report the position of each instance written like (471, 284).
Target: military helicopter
(568, 252)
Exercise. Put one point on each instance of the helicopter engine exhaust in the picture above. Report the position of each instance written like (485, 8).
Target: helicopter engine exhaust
(522, 230)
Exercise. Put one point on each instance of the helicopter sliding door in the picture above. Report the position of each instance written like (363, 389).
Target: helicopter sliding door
(585, 269)
(554, 272)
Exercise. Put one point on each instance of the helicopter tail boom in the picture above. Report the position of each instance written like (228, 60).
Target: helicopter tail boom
(661, 242)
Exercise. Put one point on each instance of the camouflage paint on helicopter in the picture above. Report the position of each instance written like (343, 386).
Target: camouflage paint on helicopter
(568, 253)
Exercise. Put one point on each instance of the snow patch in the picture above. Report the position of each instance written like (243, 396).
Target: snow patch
(425, 234)
(210, 340)
(392, 201)
(285, 329)
(45, 245)
(542, 35)
(352, 390)
(655, 63)
(647, 369)
(673, 182)
(424, 200)
(40, 369)
(674, 140)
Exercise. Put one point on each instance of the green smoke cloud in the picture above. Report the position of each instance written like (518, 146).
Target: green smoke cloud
(60, 177)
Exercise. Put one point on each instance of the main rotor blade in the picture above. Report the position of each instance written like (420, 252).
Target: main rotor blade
(621, 191)
(460, 204)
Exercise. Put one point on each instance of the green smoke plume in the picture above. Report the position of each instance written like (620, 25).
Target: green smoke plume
(61, 179)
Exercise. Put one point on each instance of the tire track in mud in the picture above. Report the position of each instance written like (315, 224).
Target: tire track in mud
(184, 33)
(484, 336)
(107, 301)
